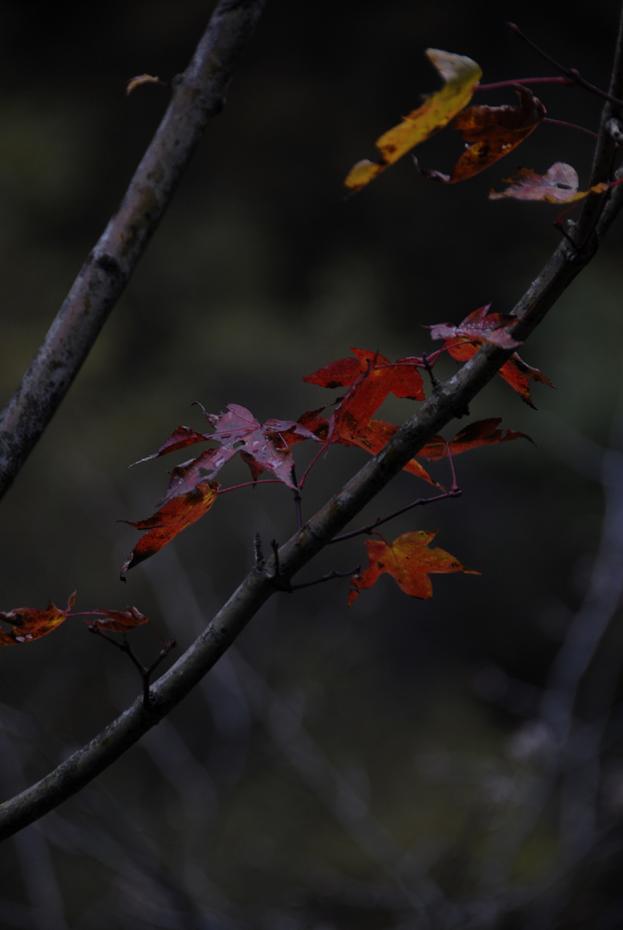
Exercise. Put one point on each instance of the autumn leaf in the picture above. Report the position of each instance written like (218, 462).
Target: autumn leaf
(517, 373)
(410, 562)
(558, 185)
(479, 326)
(492, 133)
(140, 80)
(180, 438)
(373, 437)
(371, 378)
(114, 621)
(480, 433)
(173, 517)
(460, 75)
(264, 447)
(28, 623)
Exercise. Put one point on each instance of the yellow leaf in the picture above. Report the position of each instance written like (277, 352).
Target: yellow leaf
(461, 75)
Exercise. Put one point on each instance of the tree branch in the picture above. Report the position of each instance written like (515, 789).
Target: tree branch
(198, 94)
(451, 396)
(449, 399)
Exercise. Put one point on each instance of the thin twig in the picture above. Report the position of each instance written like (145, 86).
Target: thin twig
(298, 500)
(249, 484)
(330, 576)
(145, 671)
(510, 84)
(421, 501)
(564, 124)
(572, 74)
(324, 448)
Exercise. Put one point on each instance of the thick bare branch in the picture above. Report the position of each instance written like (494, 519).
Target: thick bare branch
(198, 94)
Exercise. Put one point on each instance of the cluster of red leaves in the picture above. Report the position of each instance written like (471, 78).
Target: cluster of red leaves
(26, 624)
(489, 134)
(367, 378)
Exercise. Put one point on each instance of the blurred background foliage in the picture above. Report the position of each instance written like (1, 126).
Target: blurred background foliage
(340, 768)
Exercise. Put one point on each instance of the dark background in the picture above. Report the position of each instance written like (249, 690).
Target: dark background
(339, 768)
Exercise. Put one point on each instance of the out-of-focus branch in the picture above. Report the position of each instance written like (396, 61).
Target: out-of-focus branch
(198, 94)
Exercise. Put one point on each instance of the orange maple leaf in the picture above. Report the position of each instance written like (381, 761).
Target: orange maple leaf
(409, 561)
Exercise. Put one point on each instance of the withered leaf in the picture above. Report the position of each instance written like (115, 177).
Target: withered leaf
(460, 75)
(410, 562)
(480, 433)
(26, 624)
(517, 373)
(559, 185)
(139, 81)
(173, 517)
(492, 133)
(115, 621)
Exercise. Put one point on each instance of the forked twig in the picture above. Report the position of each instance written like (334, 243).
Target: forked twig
(145, 671)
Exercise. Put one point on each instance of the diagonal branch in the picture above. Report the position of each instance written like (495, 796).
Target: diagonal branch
(198, 94)
(454, 395)
(448, 400)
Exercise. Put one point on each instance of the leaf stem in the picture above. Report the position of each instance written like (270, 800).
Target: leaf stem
(566, 125)
(419, 502)
(330, 576)
(572, 74)
(503, 85)
(248, 484)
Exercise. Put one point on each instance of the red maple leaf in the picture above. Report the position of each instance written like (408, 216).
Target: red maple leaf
(264, 447)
